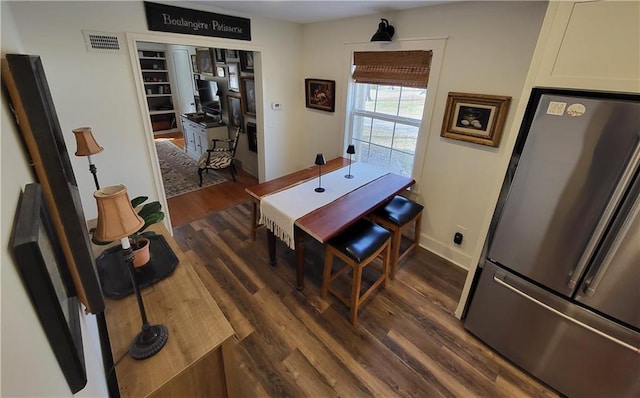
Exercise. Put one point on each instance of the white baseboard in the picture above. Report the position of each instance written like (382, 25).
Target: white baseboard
(456, 257)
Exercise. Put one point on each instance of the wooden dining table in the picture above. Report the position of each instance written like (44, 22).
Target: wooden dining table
(328, 221)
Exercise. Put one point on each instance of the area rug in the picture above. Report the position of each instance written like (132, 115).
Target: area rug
(180, 172)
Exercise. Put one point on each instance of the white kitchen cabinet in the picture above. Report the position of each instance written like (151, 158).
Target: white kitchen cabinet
(198, 137)
(593, 45)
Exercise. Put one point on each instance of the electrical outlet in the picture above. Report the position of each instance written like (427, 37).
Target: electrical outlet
(458, 236)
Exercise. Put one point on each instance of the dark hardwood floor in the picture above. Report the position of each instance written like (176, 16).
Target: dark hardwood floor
(293, 343)
(192, 206)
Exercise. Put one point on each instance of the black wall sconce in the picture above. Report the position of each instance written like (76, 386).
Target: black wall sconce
(385, 31)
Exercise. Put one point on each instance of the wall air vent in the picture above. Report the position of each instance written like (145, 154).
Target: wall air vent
(101, 42)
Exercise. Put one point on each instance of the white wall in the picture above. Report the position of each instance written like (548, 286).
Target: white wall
(98, 90)
(29, 367)
(489, 46)
(488, 49)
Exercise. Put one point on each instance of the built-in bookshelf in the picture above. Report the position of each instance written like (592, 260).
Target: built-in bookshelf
(159, 91)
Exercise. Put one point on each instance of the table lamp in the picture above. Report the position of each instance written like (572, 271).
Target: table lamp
(117, 220)
(320, 161)
(87, 146)
(350, 150)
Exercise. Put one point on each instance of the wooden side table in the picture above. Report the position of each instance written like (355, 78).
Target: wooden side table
(198, 358)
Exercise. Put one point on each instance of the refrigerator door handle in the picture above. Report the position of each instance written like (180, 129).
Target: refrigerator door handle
(497, 279)
(625, 180)
(592, 285)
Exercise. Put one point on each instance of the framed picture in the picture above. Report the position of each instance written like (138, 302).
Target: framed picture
(220, 71)
(246, 61)
(194, 64)
(252, 136)
(219, 55)
(235, 111)
(203, 60)
(320, 94)
(230, 54)
(234, 76)
(248, 96)
(29, 94)
(476, 118)
(46, 278)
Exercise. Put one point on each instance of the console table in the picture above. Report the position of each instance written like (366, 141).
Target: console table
(197, 360)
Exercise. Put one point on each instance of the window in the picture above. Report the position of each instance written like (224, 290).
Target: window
(385, 125)
(387, 106)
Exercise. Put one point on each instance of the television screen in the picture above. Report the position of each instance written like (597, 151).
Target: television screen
(209, 98)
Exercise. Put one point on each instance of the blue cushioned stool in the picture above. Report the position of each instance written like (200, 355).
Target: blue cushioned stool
(397, 216)
(358, 246)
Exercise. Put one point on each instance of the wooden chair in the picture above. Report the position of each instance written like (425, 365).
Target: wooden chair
(357, 247)
(220, 157)
(396, 216)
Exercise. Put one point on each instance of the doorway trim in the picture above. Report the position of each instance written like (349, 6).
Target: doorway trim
(185, 40)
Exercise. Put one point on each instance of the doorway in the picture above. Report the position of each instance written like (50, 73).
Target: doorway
(233, 70)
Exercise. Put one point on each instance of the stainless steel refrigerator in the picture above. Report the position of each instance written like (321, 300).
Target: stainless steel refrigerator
(559, 289)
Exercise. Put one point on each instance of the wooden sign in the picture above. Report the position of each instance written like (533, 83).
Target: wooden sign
(164, 18)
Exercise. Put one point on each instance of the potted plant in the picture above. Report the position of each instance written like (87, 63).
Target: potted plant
(151, 213)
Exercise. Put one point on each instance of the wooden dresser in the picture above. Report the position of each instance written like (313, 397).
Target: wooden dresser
(197, 360)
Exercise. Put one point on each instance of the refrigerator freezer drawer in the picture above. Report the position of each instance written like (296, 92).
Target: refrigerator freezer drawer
(574, 351)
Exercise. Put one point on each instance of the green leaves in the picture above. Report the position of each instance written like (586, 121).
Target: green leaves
(151, 213)
(149, 208)
(151, 219)
(137, 201)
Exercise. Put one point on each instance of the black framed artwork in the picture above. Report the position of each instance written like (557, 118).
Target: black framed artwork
(37, 121)
(43, 269)
(252, 136)
(234, 76)
(219, 55)
(203, 60)
(246, 61)
(248, 96)
(320, 94)
(235, 111)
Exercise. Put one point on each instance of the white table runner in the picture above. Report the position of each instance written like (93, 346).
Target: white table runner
(279, 211)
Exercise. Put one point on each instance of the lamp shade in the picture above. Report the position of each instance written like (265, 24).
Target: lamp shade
(351, 149)
(385, 31)
(116, 218)
(320, 159)
(86, 144)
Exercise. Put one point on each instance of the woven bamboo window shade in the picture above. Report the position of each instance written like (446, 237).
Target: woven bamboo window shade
(393, 68)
